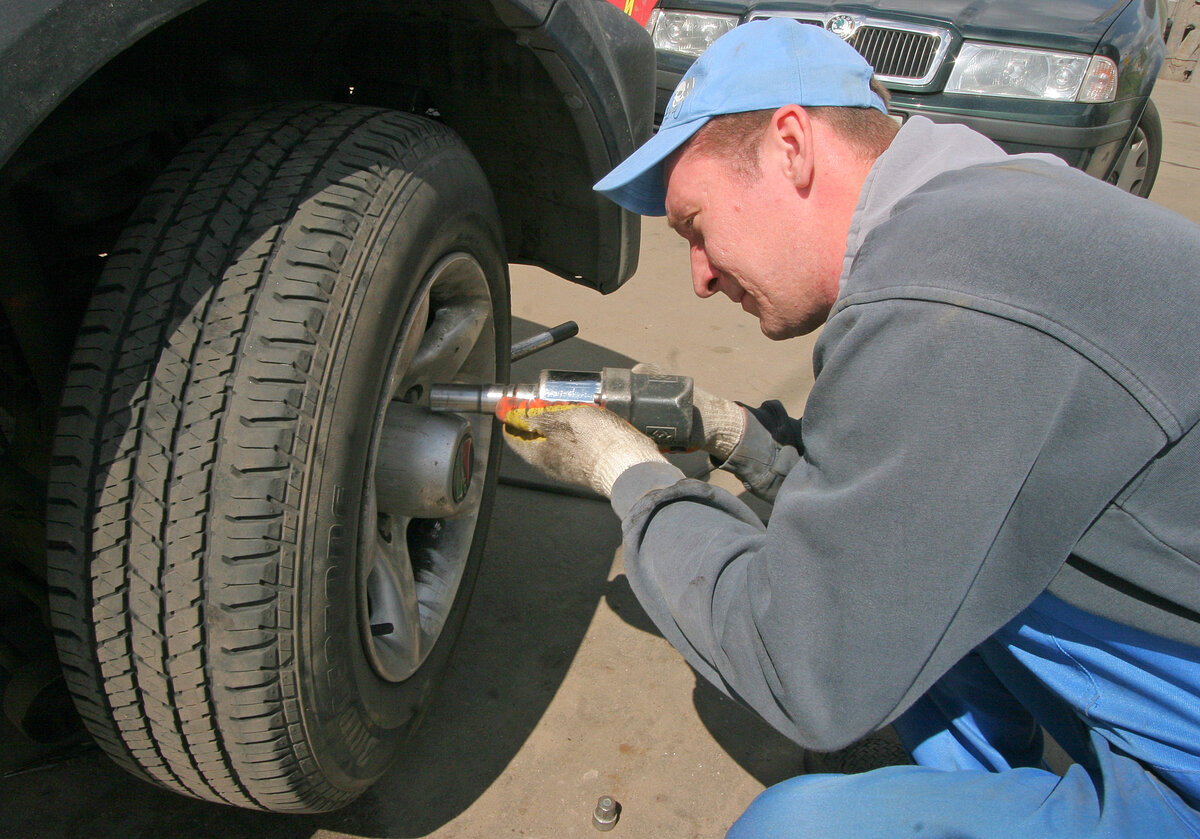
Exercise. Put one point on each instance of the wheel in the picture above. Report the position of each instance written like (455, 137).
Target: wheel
(1137, 167)
(261, 545)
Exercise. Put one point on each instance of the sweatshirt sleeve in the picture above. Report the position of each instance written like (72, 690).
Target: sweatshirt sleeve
(929, 504)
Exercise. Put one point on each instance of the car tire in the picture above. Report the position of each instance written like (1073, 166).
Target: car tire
(261, 547)
(1137, 167)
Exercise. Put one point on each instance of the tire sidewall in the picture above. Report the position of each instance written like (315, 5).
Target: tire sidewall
(355, 720)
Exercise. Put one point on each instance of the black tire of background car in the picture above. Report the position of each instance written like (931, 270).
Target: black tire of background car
(1137, 167)
(213, 439)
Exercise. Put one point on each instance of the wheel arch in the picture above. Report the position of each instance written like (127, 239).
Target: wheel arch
(548, 95)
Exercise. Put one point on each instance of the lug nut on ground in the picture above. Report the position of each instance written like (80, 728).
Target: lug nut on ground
(607, 811)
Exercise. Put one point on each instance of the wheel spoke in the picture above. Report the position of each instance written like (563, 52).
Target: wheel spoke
(448, 342)
(392, 603)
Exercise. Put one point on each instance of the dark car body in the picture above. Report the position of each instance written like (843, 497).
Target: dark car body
(1090, 136)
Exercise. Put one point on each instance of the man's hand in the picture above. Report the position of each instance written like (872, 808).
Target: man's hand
(577, 444)
(717, 424)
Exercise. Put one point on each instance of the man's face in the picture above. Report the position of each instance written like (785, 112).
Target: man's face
(748, 240)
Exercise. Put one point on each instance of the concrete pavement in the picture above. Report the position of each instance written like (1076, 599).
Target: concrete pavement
(561, 690)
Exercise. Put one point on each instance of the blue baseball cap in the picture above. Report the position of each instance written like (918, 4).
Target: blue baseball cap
(760, 65)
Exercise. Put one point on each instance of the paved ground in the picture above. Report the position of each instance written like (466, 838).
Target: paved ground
(562, 691)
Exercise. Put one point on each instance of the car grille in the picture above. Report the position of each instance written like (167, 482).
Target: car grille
(906, 54)
(894, 52)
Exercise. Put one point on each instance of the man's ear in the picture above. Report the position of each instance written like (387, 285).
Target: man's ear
(790, 139)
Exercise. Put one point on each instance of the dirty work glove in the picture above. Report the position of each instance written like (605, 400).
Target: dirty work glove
(577, 444)
(717, 424)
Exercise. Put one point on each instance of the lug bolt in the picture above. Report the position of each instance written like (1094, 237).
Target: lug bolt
(607, 811)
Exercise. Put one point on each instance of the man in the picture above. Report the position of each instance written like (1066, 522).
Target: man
(987, 522)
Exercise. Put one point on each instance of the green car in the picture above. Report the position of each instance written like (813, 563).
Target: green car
(1072, 79)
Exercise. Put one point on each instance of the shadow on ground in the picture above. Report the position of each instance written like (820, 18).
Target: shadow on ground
(762, 751)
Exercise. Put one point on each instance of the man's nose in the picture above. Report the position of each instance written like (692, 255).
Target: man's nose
(704, 278)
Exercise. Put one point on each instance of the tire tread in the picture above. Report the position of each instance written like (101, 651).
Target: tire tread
(192, 369)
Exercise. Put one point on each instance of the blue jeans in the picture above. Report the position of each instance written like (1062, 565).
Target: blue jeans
(1123, 704)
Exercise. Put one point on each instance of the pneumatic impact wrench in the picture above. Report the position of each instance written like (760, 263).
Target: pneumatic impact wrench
(658, 405)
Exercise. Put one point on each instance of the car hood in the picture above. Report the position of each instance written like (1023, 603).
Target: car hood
(1080, 23)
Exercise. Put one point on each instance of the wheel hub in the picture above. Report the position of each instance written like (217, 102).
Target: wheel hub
(424, 469)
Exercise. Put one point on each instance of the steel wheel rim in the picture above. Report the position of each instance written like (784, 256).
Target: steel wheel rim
(410, 568)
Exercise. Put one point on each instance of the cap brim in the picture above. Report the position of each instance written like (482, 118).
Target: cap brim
(637, 183)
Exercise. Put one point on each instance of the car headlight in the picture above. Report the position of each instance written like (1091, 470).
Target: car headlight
(993, 70)
(687, 33)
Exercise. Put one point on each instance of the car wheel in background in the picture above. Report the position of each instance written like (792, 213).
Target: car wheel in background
(261, 547)
(1137, 167)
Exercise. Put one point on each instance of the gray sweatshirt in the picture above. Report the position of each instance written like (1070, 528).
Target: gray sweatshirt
(1005, 401)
